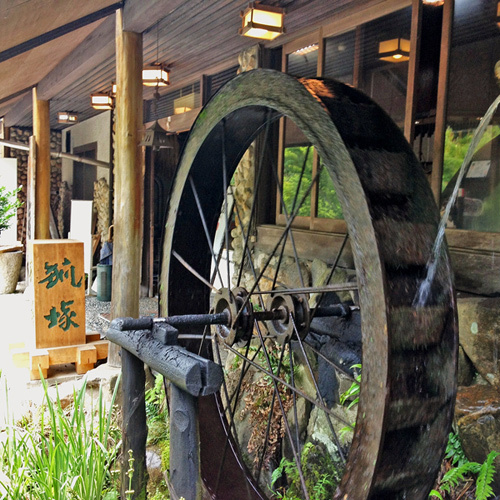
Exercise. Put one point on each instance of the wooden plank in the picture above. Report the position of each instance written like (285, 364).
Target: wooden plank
(10, 248)
(473, 240)
(55, 33)
(92, 337)
(27, 20)
(39, 358)
(60, 355)
(86, 354)
(95, 49)
(179, 123)
(138, 15)
(310, 245)
(59, 292)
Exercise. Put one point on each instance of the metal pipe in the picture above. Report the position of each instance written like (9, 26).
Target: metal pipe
(223, 318)
(56, 154)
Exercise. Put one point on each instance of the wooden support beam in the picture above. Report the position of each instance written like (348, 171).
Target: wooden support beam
(57, 32)
(129, 180)
(98, 47)
(95, 49)
(41, 131)
(128, 221)
(442, 100)
(412, 90)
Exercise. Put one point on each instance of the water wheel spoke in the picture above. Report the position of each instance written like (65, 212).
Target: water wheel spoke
(260, 169)
(285, 213)
(205, 229)
(193, 271)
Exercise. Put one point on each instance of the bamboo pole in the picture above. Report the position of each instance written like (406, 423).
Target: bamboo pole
(41, 131)
(128, 222)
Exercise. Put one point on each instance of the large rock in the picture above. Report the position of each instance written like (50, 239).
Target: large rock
(477, 414)
(479, 323)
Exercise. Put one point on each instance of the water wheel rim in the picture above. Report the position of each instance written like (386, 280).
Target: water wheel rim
(318, 108)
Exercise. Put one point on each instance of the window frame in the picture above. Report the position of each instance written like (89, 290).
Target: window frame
(352, 20)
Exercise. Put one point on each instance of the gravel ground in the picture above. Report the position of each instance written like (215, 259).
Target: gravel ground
(97, 312)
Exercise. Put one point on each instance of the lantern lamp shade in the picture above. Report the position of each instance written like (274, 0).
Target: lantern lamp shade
(155, 75)
(498, 14)
(66, 117)
(155, 137)
(395, 50)
(101, 100)
(262, 21)
(435, 3)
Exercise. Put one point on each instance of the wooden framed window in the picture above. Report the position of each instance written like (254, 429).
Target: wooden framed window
(353, 56)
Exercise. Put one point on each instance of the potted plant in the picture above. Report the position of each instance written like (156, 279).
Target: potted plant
(11, 256)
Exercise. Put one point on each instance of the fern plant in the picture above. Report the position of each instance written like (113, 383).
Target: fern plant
(485, 477)
(459, 474)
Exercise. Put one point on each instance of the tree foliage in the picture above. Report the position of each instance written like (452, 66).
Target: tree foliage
(297, 179)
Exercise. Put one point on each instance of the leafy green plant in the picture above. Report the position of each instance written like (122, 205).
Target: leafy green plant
(454, 452)
(157, 413)
(351, 397)
(461, 473)
(352, 394)
(8, 206)
(155, 399)
(69, 455)
(321, 475)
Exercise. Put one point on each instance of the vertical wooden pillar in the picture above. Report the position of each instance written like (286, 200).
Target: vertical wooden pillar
(41, 131)
(442, 100)
(128, 222)
(412, 91)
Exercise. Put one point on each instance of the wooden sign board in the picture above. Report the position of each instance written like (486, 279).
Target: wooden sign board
(59, 292)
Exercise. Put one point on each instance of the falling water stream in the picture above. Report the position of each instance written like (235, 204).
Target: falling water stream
(424, 290)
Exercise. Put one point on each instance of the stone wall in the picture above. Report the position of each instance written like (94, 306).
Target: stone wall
(22, 135)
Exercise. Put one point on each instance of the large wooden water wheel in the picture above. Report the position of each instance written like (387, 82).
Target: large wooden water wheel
(408, 350)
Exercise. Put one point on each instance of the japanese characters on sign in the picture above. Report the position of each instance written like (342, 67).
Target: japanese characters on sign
(59, 287)
(54, 275)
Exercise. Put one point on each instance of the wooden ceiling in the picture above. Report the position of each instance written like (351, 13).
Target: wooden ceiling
(193, 37)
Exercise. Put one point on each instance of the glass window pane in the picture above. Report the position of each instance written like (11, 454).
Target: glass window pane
(328, 202)
(297, 171)
(303, 62)
(384, 61)
(339, 57)
(472, 88)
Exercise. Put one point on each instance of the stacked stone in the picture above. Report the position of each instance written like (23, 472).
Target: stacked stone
(22, 135)
(101, 205)
(55, 173)
(64, 208)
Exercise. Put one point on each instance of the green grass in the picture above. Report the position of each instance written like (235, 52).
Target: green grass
(68, 455)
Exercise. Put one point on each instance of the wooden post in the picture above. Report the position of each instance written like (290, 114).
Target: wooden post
(412, 91)
(442, 101)
(127, 246)
(41, 131)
